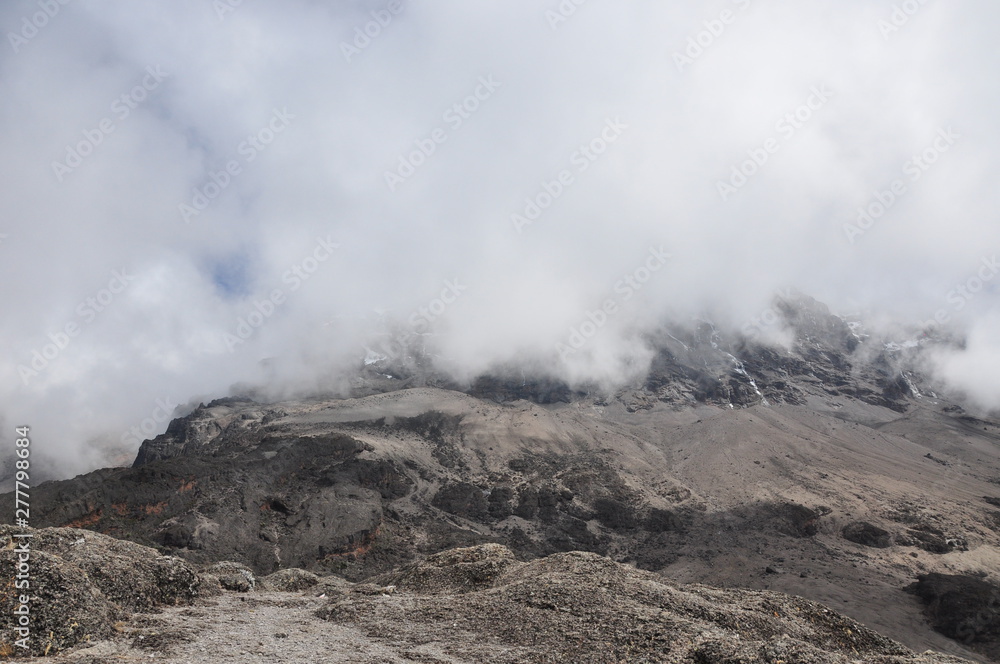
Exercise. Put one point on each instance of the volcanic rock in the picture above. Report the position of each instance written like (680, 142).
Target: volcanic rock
(867, 534)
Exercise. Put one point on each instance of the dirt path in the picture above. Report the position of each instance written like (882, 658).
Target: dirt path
(250, 629)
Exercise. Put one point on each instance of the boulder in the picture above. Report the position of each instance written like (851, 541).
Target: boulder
(867, 534)
(458, 570)
(232, 576)
(292, 579)
(80, 583)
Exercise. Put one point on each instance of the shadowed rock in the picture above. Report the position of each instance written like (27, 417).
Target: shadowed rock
(961, 607)
(867, 534)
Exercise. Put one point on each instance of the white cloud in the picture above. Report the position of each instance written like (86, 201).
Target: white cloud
(324, 174)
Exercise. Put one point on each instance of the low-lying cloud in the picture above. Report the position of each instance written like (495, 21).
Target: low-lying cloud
(194, 187)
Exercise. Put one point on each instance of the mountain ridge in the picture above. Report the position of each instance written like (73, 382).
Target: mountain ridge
(831, 469)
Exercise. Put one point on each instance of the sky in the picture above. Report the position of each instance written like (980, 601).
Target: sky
(188, 188)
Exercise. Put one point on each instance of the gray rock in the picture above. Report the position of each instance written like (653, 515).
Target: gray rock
(82, 583)
(232, 576)
(867, 534)
(289, 580)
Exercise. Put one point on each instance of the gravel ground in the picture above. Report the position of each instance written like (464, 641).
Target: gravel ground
(250, 629)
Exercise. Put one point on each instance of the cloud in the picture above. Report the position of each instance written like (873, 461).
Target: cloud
(974, 369)
(210, 153)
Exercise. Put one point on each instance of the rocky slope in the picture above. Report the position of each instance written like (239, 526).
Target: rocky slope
(830, 469)
(475, 604)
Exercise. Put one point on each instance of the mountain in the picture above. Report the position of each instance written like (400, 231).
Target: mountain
(832, 468)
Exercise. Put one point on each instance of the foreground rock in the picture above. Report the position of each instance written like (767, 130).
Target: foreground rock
(479, 604)
(580, 607)
(80, 584)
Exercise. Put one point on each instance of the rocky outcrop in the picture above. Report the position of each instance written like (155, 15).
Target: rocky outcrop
(318, 495)
(454, 571)
(229, 576)
(481, 605)
(290, 579)
(867, 534)
(79, 585)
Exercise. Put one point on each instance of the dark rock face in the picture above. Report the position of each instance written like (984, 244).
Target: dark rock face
(962, 607)
(504, 389)
(186, 436)
(462, 499)
(274, 497)
(706, 365)
(867, 534)
(662, 521)
(799, 520)
(614, 514)
(441, 430)
(316, 499)
(317, 496)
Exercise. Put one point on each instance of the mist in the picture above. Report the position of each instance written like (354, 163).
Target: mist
(191, 188)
